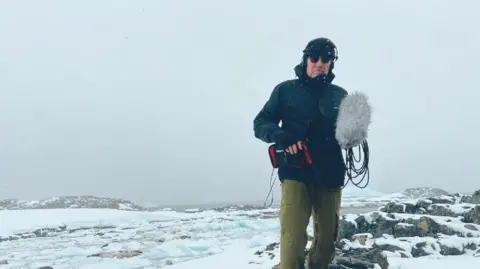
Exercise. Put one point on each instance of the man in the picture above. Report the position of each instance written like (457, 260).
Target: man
(308, 108)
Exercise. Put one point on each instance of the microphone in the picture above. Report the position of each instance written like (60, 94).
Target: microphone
(354, 118)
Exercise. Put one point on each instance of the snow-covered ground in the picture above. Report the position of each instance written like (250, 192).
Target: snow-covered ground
(207, 239)
(353, 197)
(163, 237)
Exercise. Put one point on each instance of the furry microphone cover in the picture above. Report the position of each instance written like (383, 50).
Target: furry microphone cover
(354, 118)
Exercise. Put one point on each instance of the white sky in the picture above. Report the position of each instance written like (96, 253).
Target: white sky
(154, 100)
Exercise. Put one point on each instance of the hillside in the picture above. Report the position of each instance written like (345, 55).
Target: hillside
(424, 192)
(352, 197)
(86, 201)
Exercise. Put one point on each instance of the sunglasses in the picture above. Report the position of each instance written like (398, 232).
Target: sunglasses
(325, 57)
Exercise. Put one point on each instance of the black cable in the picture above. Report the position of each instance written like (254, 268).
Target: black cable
(354, 172)
(272, 181)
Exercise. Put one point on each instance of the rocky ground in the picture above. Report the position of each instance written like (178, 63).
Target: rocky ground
(447, 224)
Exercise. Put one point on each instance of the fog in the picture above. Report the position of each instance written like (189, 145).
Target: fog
(154, 101)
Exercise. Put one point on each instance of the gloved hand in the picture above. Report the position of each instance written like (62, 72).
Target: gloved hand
(291, 144)
(285, 140)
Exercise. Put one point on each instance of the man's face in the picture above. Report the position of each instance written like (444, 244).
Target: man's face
(315, 68)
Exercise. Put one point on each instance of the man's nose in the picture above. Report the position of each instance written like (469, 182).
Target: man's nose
(319, 63)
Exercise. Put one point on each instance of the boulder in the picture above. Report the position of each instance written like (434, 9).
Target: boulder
(471, 199)
(117, 254)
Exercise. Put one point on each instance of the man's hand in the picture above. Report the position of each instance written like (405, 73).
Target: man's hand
(293, 149)
(291, 144)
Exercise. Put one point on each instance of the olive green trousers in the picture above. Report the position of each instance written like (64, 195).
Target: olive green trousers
(299, 202)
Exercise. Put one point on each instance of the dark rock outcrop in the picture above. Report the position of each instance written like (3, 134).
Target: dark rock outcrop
(471, 199)
(439, 225)
(465, 207)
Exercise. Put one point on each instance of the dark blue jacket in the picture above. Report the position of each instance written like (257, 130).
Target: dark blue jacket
(307, 111)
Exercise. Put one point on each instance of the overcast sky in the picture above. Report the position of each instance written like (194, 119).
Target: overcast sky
(154, 100)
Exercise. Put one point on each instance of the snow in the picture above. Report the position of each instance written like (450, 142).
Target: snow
(17, 221)
(162, 236)
(351, 218)
(206, 239)
(367, 197)
(460, 208)
(436, 262)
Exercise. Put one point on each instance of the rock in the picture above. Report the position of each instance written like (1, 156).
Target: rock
(471, 227)
(423, 192)
(45, 267)
(443, 199)
(426, 226)
(379, 224)
(471, 199)
(471, 246)
(229, 208)
(54, 231)
(405, 230)
(373, 223)
(423, 204)
(183, 237)
(272, 246)
(169, 262)
(395, 207)
(348, 258)
(269, 249)
(440, 206)
(347, 228)
(403, 227)
(366, 257)
(363, 251)
(347, 263)
(419, 250)
(117, 254)
(44, 232)
(449, 251)
(362, 238)
(472, 216)
(412, 229)
(3, 262)
(441, 210)
(436, 206)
